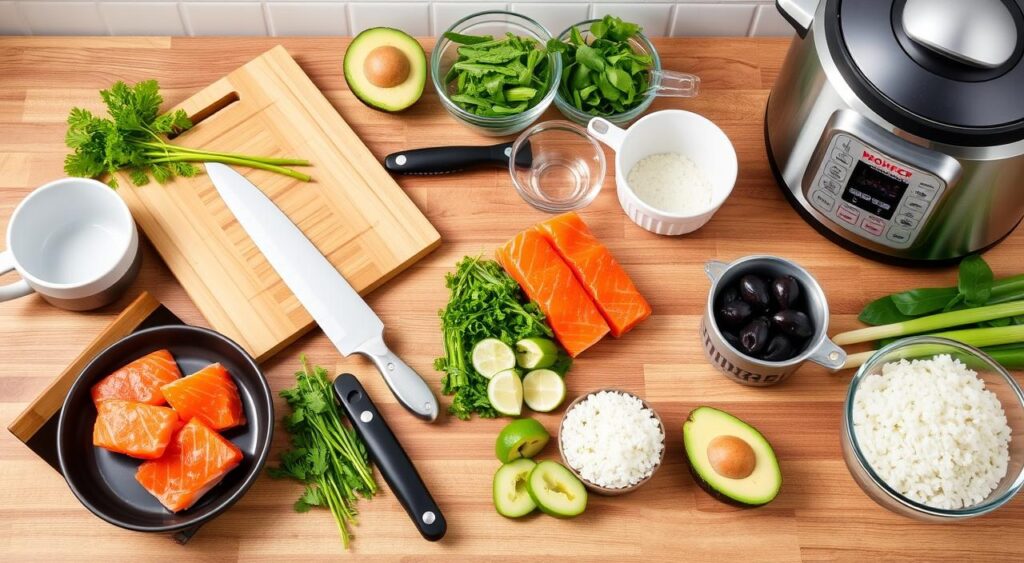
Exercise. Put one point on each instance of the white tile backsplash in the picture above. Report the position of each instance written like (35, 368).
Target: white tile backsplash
(342, 17)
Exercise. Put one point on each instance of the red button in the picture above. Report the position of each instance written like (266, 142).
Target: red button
(873, 226)
(848, 214)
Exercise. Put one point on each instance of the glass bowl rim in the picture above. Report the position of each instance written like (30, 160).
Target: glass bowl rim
(564, 125)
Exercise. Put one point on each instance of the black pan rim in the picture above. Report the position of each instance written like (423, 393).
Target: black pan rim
(223, 504)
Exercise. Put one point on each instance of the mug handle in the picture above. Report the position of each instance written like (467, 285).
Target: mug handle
(606, 132)
(14, 290)
(671, 84)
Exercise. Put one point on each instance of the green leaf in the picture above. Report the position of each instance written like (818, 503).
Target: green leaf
(590, 58)
(922, 301)
(975, 280)
(467, 39)
(882, 311)
(598, 29)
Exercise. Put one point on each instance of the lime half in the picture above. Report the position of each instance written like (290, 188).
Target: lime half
(505, 392)
(491, 355)
(543, 390)
(536, 352)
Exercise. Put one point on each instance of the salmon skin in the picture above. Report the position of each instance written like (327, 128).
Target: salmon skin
(139, 381)
(546, 279)
(606, 282)
(209, 395)
(195, 461)
(136, 429)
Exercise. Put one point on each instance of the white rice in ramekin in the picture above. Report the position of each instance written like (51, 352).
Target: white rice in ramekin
(932, 432)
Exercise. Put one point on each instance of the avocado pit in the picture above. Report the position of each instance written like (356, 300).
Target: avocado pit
(731, 457)
(386, 66)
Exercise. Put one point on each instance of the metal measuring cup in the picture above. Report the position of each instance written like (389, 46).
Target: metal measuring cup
(753, 371)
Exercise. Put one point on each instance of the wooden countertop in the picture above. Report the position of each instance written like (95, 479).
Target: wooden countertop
(821, 513)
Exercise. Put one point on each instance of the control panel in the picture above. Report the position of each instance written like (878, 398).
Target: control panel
(871, 194)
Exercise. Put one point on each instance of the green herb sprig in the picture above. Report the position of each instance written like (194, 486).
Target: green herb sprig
(133, 138)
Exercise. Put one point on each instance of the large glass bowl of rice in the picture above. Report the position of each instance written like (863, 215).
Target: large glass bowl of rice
(934, 430)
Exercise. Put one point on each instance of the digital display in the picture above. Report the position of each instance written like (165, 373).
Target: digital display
(874, 191)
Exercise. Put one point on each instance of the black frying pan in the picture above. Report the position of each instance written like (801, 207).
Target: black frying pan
(105, 481)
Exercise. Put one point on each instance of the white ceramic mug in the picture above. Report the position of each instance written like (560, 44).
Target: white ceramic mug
(669, 131)
(74, 242)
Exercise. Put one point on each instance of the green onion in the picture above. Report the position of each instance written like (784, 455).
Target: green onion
(977, 337)
(933, 323)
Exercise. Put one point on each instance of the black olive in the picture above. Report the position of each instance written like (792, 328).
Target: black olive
(793, 323)
(754, 336)
(779, 349)
(754, 291)
(734, 314)
(732, 339)
(785, 291)
(728, 294)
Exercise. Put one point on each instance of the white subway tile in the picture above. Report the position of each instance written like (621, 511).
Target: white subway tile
(769, 22)
(11, 22)
(446, 13)
(308, 18)
(556, 17)
(224, 18)
(712, 19)
(411, 18)
(142, 18)
(63, 18)
(654, 18)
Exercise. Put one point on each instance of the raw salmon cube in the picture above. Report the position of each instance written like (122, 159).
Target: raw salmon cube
(209, 395)
(139, 381)
(136, 429)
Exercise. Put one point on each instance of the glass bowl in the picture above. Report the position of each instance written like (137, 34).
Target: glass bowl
(497, 24)
(996, 379)
(566, 168)
(662, 82)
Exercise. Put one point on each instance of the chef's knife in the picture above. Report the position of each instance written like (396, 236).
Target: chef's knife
(391, 459)
(443, 160)
(345, 318)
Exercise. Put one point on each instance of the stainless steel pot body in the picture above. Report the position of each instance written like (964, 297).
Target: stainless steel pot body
(976, 197)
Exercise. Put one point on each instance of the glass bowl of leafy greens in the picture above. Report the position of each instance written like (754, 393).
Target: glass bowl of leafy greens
(493, 72)
(612, 70)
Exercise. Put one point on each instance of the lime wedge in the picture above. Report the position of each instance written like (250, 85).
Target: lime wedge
(522, 438)
(543, 390)
(505, 392)
(491, 355)
(536, 352)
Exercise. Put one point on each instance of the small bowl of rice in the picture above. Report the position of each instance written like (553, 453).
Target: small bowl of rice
(613, 441)
(934, 430)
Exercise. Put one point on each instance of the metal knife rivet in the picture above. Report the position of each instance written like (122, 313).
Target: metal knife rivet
(429, 517)
(508, 151)
(400, 160)
(428, 407)
(366, 416)
(391, 366)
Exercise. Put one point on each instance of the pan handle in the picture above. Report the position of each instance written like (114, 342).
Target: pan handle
(394, 464)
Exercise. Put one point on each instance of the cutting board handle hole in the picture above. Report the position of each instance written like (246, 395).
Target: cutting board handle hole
(207, 112)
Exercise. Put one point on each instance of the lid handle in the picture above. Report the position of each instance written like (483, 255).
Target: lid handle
(799, 13)
(980, 33)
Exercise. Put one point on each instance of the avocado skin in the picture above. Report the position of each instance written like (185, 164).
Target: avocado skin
(350, 79)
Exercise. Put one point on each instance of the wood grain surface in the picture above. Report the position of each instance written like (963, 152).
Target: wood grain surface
(821, 513)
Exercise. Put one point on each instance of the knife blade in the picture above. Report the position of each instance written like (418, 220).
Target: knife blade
(341, 312)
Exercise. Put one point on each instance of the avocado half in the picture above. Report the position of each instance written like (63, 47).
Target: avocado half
(701, 429)
(386, 68)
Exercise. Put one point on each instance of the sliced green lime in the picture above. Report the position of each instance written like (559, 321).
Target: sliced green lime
(505, 392)
(543, 390)
(521, 438)
(536, 352)
(491, 355)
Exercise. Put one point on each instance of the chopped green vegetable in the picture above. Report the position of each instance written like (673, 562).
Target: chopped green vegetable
(495, 78)
(133, 139)
(977, 337)
(604, 77)
(326, 454)
(485, 302)
(932, 323)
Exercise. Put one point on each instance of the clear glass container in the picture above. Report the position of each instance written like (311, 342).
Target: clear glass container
(496, 24)
(567, 167)
(997, 380)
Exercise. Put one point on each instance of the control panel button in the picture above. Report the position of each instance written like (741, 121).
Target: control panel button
(836, 171)
(898, 235)
(832, 185)
(873, 226)
(905, 222)
(921, 192)
(823, 201)
(842, 157)
(848, 213)
(915, 204)
(910, 214)
(844, 143)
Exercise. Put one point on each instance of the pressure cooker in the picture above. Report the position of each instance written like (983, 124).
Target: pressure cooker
(896, 127)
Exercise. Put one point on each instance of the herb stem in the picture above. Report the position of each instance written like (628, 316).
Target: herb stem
(230, 160)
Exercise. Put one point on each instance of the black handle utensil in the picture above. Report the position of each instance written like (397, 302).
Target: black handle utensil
(394, 464)
(444, 160)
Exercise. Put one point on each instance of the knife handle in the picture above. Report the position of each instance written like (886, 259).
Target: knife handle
(394, 464)
(408, 386)
(442, 160)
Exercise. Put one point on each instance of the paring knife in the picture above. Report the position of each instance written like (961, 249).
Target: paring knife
(345, 318)
(444, 160)
(390, 457)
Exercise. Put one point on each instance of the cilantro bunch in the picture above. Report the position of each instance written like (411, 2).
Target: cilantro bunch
(498, 77)
(133, 138)
(605, 77)
(326, 454)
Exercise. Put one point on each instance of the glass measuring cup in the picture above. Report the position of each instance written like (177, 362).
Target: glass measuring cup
(566, 169)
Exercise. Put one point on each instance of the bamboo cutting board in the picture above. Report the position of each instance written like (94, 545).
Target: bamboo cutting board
(353, 211)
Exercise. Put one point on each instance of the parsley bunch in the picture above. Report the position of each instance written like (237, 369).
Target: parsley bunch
(485, 302)
(326, 454)
(133, 139)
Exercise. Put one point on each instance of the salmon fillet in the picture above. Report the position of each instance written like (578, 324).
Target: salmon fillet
(546, 279)
(196, 460)
(209, 395)
(606, 282)
(135, 429)
(139, 381)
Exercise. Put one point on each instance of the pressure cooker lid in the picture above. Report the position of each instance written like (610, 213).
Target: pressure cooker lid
(948, 70)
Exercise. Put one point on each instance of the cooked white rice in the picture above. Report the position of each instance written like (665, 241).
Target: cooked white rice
(612, 440)
(931, 430)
